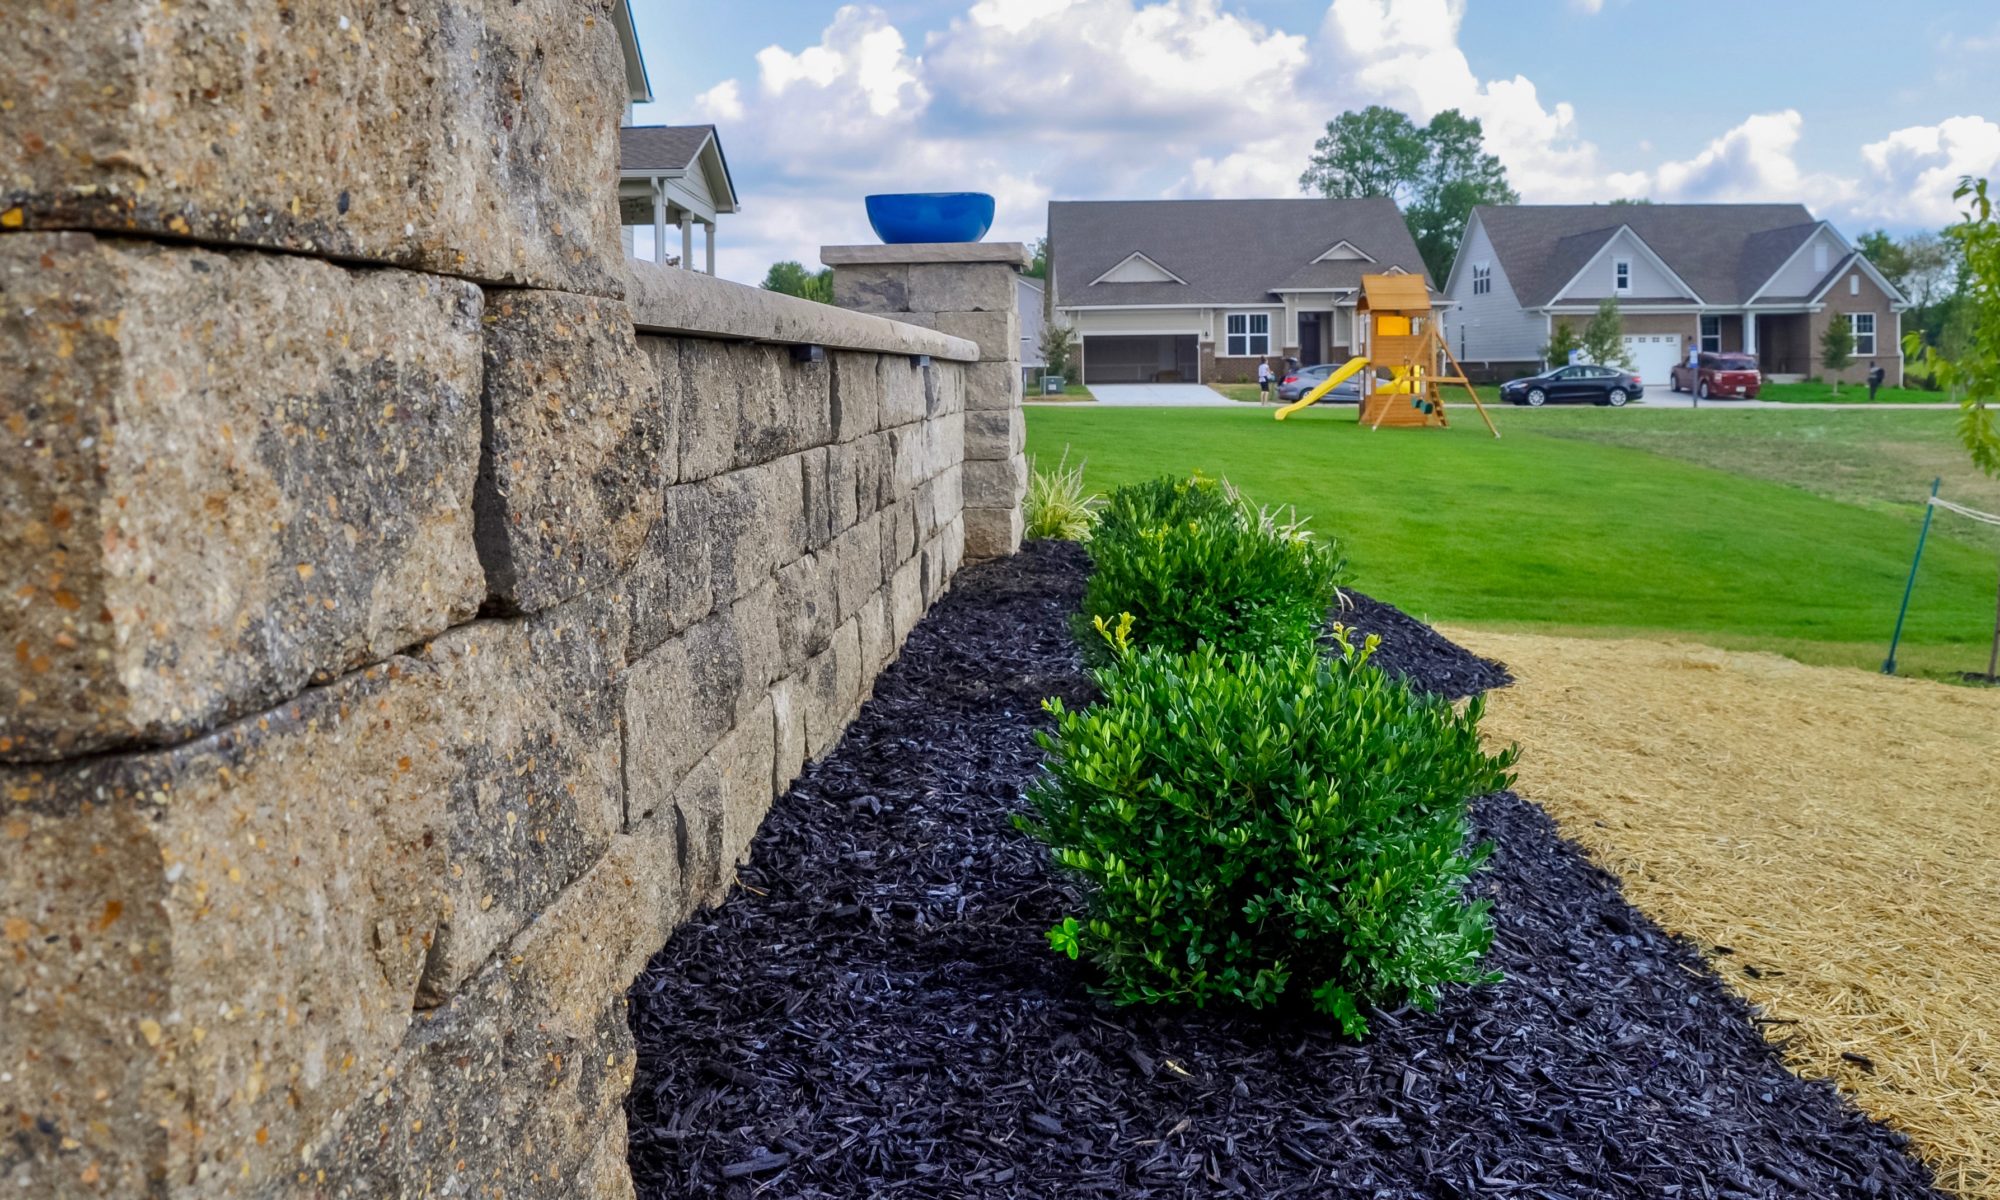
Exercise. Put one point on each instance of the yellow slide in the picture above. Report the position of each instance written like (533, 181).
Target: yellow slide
(1332, 381)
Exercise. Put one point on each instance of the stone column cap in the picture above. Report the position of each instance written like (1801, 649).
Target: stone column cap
(1013, 254)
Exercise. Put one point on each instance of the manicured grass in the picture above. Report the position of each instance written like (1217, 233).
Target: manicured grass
(1813, 391)
(1788, 532)
(1245, 393)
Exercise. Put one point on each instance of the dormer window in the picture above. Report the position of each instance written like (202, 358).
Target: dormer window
(1621, 275)
(1482, 278)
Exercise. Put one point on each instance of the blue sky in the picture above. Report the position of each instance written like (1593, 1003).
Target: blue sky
(1866, 112)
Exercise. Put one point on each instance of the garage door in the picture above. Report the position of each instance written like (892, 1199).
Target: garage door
(1653, 355)
(1166, 358)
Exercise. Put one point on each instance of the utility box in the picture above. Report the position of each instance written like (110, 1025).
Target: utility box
(1052, 385)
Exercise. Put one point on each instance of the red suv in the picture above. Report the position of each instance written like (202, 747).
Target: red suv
(1728, 376)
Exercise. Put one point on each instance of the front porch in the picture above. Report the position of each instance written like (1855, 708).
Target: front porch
(652, 201)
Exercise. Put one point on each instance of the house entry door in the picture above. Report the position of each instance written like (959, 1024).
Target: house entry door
(1310, 339)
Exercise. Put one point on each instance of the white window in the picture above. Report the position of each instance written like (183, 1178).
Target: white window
(1711, 334)
(1482, 278)
(1621, 275)
(1854, 285)
(1249, 335)
(1863, 325)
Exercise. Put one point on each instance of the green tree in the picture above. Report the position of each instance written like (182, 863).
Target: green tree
(1836, 349)
(1058, 346)
(1436, 173)
(1039, 267)
(1604, 336)
(1562, 340)
(1888, 255)
(793, 279)
(1970, 368)
(1630, 200)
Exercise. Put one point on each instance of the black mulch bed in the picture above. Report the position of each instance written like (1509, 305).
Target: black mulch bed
(1414, 650)
(875, 1012)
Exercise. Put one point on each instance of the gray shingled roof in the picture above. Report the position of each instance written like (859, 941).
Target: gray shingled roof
(660, 147)
(1228, 251)
(1724, 252)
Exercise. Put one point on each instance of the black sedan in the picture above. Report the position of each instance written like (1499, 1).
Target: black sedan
(1575, 384)
(1300, 380)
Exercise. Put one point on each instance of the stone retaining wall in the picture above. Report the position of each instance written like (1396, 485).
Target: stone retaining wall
(394, 655)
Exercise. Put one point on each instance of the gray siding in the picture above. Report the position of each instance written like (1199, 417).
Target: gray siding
(1597, 280)
(1494, 327)
(1805, 271)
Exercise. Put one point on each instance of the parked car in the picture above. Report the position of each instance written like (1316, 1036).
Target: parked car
(1577, 384)
(1727, 376)
(1300, 380)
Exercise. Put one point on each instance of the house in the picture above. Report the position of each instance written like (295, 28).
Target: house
(1029, 300)
(673, 177)
(1761, 278)
(1201, 290)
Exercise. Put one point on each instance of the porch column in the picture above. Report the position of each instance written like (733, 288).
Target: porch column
(966, 289)
(687, 240)
(1749, 333)
(708, 234)
(659, 221)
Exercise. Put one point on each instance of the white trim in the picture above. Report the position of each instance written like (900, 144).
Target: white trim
(1142, 257)
(1032, 282)
(1122, 307)
(1395, 270)
(1584, 310)
(1482, 273)
(1874, 334)
(1327, 254)
(1140, 333)
(1248, 332)
(1650, 253)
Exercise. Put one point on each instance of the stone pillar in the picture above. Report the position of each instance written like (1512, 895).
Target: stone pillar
(965, 289)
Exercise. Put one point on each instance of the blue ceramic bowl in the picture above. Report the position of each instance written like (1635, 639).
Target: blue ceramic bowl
(903, 217)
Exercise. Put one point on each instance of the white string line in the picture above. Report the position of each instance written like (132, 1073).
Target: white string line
(1961, 510)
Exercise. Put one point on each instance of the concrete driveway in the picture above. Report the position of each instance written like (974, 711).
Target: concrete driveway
(1160, 395)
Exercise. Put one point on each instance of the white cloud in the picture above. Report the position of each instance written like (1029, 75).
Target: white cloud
(1912, 173)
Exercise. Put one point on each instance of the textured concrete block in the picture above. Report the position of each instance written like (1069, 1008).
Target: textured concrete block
(855, 392)
(998, 334)
(991, 533)
(808, 602)
(995, 433)
(877, 633)
(881, 289)
(747, 760)
(679, 701)
(744, 403)
(991, 385)
(788, 710)
(575, 456)
(953, 287)
(857, 568)
(843, 501)
(906, 394)
(711, 378)
(756, 521)
(873, 456)
(952, 541)
(906, 598)
(949, 387)
(996, 483)
(671, 585)
(224, 476)
(467, 137)
(818, 496)
(538, 790)
(214, 948)
(899, 536)
(947, 496)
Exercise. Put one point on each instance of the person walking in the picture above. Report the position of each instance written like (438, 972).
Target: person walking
(1875, 377)
(1263, 381)
(1694, 373)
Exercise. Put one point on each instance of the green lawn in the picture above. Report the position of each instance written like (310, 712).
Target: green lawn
(1783, 531)
(1813, 391)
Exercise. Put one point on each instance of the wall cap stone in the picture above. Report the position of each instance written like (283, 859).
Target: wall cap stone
(670, 300)
(1014, 254)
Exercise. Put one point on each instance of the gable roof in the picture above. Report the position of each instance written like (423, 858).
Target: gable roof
(638, 87)
(676, 150)
(1228, 251)
(1716, 249)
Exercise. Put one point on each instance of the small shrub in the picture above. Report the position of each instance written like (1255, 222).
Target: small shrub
(1057, 506)
(1256, 828)
(1165, 501)
(1191, 562)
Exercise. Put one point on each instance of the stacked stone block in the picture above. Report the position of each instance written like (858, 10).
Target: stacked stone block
(399, 643)
(967, 291)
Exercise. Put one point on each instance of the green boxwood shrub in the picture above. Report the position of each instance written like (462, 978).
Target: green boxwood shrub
(1252, 828)
(1191, 562)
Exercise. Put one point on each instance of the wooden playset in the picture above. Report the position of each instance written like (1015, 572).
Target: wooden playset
(1405, 365)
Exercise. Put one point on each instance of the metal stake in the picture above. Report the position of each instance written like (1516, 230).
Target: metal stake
(1930, 510)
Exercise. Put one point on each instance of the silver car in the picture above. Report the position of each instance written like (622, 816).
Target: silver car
(1297, 382)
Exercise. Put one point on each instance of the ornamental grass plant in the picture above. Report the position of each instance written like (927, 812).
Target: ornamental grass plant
(1057, 504)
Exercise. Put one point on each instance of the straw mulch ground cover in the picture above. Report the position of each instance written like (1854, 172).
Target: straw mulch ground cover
(1830, 837)
(875, 1011)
